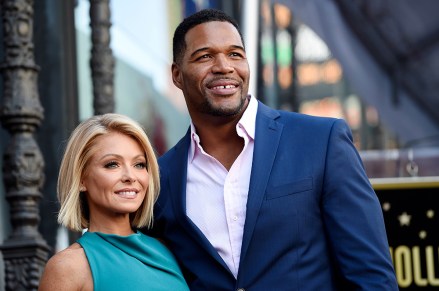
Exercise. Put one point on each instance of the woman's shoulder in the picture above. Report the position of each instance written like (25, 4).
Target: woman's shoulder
(71, 257)
(67, 270)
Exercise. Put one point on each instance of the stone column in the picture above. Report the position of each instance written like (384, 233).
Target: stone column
(24, 251)
(102, 61)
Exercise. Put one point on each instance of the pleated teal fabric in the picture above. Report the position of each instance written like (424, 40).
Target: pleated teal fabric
(134, 262)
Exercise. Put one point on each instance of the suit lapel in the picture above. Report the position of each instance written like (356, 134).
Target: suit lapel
(177, 183)
(267, 137)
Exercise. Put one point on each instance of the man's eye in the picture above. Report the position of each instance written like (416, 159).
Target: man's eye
(203, 57)
(111, 164)
(236, 55)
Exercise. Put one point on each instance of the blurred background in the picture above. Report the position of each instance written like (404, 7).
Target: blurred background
(373, 63)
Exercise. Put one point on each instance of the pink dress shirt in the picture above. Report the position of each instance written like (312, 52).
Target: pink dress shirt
(216, 198)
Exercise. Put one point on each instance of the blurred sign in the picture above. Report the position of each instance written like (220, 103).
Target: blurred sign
(411, 214)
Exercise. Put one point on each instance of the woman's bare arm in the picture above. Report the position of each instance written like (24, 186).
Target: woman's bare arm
(67, 270)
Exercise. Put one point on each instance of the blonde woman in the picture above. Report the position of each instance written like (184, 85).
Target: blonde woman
(108, 183)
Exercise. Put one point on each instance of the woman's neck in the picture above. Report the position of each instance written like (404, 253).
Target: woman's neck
(122, 228)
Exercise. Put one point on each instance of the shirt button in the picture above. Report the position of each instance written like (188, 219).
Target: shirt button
(235, 218)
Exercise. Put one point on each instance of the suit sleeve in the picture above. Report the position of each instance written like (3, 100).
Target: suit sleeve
(353, 217)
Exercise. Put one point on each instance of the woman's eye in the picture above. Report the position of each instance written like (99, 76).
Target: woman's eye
(141, 165)
(111, 164)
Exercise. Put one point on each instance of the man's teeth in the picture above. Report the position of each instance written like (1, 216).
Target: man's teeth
(224, 87)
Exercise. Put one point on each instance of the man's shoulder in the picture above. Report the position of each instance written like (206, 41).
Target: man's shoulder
(170, 155)
(296, 118)
(166, 157)
(266, 110)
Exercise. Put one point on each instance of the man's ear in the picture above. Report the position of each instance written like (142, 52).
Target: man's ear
(176, 75)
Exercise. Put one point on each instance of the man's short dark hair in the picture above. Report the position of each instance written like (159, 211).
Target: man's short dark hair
(203, 16)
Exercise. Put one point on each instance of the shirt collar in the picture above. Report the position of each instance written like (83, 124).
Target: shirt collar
(247, 123)
(248, 119)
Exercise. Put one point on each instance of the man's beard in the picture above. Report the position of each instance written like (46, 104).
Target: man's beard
(208, 108)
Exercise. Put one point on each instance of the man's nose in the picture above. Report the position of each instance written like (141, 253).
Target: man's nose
(222, 65)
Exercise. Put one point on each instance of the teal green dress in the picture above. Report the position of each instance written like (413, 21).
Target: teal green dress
(134, 262)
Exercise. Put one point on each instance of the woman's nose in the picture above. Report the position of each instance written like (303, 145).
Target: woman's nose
(128, 176)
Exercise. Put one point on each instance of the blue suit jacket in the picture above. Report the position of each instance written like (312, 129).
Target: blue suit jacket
(313, 220)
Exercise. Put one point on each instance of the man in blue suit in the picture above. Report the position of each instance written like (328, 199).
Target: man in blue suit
(258, 199)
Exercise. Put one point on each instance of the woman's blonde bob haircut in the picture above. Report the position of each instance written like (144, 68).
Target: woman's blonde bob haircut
(73, 213)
